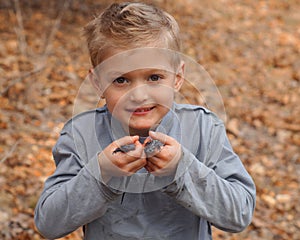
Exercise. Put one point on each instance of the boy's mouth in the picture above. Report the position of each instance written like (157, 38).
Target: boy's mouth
(142, 110)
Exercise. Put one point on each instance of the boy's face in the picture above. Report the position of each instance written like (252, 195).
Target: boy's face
(139, 87)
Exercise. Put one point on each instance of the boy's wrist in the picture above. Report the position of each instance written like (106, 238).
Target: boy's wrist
(180, 169)
(104, 177)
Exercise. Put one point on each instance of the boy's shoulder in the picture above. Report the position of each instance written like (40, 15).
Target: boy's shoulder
(86, 118)
(196, 110)
(191, 108)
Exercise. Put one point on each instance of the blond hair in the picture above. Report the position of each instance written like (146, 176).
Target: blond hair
(131, 25)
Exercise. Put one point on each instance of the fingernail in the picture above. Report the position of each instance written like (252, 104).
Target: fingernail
(135, 138)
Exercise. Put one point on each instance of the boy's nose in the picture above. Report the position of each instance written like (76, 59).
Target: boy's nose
(139, 93)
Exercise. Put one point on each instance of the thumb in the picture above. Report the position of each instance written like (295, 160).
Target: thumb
(126, 140)
(159, 136)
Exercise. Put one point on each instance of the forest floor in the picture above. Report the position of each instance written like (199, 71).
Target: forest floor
(249, 48)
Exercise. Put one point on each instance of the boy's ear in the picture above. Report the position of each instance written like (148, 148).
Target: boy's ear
(179, 76)
(93, 79)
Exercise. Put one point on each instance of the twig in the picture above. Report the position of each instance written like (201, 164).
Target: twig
(55, 28)
(23, 45)
(10, 152)
(19, 79)
(20, 29)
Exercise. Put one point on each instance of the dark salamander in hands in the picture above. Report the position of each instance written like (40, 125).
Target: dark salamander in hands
(124, 148)
(150, 147)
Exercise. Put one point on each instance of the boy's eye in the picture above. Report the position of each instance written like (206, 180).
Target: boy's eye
(120, 80)
(154, 78)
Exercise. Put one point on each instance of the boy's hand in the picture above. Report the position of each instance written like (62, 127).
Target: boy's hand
(119, 164)
(165, 161)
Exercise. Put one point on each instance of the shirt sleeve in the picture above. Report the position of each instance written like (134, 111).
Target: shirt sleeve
(73, 196)
(215, 186)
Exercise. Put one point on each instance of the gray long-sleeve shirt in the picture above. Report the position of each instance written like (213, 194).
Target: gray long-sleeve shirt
(211, 185)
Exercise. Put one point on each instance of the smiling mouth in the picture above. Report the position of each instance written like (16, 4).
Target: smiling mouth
(141, 110)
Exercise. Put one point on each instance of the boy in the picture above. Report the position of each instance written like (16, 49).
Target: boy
(191, 180)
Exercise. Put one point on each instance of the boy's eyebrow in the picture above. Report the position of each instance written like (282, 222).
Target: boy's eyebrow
(110, 74)
(146, 70)
(153, 70)
(114, 73)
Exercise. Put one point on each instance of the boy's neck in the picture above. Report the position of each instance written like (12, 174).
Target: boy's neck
(142, 132)
(139, 132)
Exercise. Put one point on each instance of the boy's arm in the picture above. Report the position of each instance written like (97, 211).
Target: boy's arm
(73, 196)
(218, 188)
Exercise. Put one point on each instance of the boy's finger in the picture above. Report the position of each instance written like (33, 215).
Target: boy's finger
(136, 153)
(136, 165)
(151, 167)
(165, 139)
(153, 161)
(126, 140)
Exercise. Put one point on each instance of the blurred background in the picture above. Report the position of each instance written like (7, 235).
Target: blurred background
(251, 49)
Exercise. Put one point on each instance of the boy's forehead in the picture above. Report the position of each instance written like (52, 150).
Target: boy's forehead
(121, 62)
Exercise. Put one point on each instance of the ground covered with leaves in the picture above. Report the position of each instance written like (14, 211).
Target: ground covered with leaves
(250, 49)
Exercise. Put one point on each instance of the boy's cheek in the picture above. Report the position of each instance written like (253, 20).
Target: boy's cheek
(162, 95)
